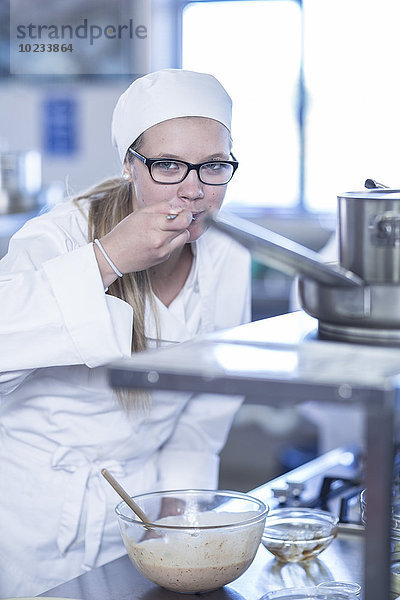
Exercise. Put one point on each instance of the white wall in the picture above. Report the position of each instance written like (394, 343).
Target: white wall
(21, 118)
(22, 124)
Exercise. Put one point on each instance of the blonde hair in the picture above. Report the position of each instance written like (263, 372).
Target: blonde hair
(109, 203)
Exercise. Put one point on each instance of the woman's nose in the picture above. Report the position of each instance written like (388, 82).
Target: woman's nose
(191, 187)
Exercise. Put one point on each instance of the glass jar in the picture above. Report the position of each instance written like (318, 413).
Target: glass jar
(394, 541)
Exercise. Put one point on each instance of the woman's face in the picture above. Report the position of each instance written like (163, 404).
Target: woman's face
(191, 139)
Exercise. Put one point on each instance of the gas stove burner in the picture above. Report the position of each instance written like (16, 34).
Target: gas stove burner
(336, 493)
(358, 335)
(368, 314)
(290, 494)
(333, 487)
(346, 490)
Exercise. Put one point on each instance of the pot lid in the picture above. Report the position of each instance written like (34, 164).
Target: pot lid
(373, 191)
(377, 194)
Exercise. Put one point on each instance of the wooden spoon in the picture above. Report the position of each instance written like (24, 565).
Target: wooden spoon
(125, 496)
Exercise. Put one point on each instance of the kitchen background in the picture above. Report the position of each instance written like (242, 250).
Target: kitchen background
(315, 87)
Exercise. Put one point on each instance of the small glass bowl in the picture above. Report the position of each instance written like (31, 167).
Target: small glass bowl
(363, 505)
(311, 593)
(394, 541)
(341, 586)
(395, 513)
(197, 541)
(395, 574)
(298, 534)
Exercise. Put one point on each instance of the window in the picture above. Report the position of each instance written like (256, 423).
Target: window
(351, 62)
(344, 128)
(254, 50)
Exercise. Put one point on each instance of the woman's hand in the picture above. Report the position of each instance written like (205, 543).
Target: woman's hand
(143, 239)
(169, 507)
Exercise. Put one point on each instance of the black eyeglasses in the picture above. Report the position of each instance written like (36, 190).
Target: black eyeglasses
(169, 171)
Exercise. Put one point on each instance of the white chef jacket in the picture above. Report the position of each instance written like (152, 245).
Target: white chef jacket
(60, 422)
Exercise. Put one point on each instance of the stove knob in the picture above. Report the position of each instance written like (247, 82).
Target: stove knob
(295, 488)
(282, 494)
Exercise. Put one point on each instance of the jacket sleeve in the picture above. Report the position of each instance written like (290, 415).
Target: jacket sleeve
(53, 307)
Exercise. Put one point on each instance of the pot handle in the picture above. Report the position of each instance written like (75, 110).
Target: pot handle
(275, 250)
(371, 184)
(385, 230)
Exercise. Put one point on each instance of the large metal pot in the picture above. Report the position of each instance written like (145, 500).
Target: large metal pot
(357, 300)
(369, 234)
(369, 247)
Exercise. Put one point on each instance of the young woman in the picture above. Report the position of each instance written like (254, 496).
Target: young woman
(126, 266)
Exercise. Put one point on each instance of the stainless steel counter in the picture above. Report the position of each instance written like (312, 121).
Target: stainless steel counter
(119, 580)
(282, 355)
(280, 361)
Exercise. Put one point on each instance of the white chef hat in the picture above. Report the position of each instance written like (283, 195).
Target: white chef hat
(163, 95)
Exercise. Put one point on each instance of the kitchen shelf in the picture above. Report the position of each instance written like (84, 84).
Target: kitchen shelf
(280, 361)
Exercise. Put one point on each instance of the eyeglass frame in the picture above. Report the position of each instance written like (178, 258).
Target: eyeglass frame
(191, 166)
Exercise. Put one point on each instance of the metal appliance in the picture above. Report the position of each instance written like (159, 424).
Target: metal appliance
(357, 300)
(20, 181)
(280, 362)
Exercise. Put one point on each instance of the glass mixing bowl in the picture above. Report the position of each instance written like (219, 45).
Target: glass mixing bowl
(298, 534)
(197, 541)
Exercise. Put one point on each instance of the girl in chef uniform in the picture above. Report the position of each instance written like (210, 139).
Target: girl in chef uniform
(126, 266)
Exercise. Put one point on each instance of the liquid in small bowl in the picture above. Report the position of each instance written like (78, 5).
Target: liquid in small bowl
(298, 534)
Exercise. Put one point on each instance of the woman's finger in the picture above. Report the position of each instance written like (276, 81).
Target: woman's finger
(179, 240)
(176, 222)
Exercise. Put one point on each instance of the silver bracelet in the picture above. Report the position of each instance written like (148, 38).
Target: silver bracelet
(108, 259)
